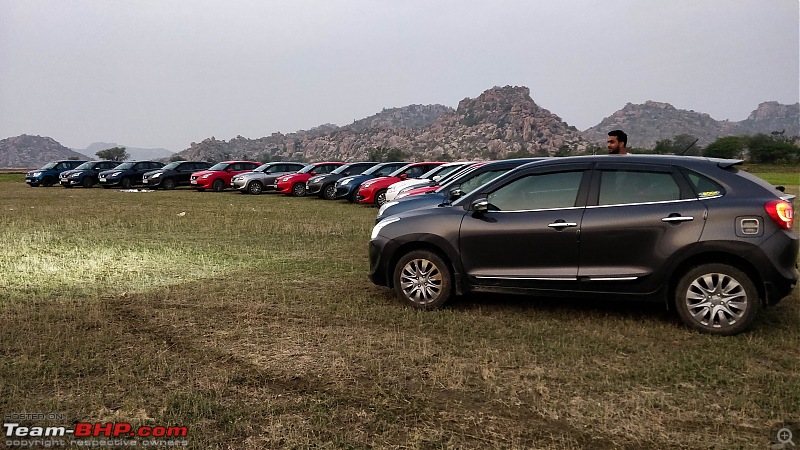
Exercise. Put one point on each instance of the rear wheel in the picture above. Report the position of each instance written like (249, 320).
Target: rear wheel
(168, 183)
(299, 190)
(218, 185)
(380, 197)
(422, 279)
(87, 182)
(255, 187)
(717, 299)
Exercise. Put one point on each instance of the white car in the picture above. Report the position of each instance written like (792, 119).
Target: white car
(431, 176)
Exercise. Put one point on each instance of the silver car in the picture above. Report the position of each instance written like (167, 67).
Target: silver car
(263, 178)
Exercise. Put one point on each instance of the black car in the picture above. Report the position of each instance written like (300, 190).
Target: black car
(127, 174)
(714, 242)
(86, 174)
(347, 187)
(173, 174)
(463, 183)
(324, 186)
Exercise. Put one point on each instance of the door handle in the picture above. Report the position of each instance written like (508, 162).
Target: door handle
(561, 225)
(675, 218)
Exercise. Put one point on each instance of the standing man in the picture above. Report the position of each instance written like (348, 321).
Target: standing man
(617, 142)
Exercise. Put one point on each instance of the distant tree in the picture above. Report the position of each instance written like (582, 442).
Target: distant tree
(771, 149)
(73, 158)
(176, 157)
(113, 154)
(726, 147)
(681, 144)
(385, 154)
(664, 147)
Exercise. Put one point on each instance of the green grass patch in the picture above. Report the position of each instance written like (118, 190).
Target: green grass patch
(250, 320)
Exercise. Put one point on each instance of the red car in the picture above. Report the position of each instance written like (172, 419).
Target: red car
(295, 183)
(374, 191)
(218, 176)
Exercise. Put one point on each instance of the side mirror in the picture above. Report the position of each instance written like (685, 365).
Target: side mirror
(480, 206)
(403, 176)
(456, 193)
(228, 169)
(436, 178)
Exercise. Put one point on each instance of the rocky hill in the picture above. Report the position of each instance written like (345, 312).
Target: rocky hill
(652, 121)
(26, 151)
(501, 122)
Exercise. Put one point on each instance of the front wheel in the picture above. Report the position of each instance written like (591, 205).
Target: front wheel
(380, 198)
(299, 190)
(422, 279)
(168, 183)
(717, 299)
(126, 183)
(329, 192)
(47, 182)
(255, 187)
(218, 186)
(87, 182)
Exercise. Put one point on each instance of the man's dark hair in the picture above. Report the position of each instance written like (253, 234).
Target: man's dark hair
(620, 135)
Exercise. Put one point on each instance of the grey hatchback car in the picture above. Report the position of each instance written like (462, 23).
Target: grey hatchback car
(697, 234)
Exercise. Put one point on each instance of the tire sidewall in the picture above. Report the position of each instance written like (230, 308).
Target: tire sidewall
(753, 300)
(441, 265)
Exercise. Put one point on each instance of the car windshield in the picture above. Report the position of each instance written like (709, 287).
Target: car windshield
(86, 165)
(126, 165)
(219, 166)
(307, 168)
(49, 165)
(373, 169)
(172, 165)
(263, 167)
(342, 168)
(399, 171)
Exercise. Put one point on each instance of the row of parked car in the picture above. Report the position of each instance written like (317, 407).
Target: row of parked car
(711, 241)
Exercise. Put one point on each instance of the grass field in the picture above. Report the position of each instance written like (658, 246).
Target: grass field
(250, 320)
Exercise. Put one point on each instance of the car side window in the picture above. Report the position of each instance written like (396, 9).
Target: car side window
(537, 191)
(703, 186)
(481, 179)
(627, 186)
(414, 172)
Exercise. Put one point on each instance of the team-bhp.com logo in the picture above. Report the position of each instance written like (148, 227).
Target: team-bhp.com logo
(15, 432)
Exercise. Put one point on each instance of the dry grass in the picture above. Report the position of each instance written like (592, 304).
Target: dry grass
(250, 320)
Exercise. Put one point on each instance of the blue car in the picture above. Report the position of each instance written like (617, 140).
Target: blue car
(347, 187)
(49, 173)
(86, 174)
(462, 184)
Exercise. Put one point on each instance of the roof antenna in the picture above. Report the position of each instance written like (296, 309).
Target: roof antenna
(690, 146)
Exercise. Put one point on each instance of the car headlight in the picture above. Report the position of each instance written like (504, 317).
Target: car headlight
(74, 174)
(345, 181)
(36, 174)
(206, 175)
(156, 175)
(385, 207)
(379, 226)
(285, 179)
(115, 174)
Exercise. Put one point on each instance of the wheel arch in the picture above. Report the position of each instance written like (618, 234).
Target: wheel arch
(716, 257)
(431, 244)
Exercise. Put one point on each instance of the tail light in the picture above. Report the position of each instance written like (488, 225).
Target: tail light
(781, 213)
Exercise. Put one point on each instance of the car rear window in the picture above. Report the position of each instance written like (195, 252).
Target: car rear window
(703, 186)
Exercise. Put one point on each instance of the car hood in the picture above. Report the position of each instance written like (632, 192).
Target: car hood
(206, 172)
(411, 203)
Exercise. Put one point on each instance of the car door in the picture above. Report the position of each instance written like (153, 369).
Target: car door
(638, 217)
(529, 236)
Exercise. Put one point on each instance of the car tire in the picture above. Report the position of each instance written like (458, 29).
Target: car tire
(299, 190)
(47, 182)
(422, 279)
(218, 185)
(168, 183)
(717, 299)
(380, 198)
(328, 192)
(87, 182)
(352, 197)
(255, 188)
(125, 183)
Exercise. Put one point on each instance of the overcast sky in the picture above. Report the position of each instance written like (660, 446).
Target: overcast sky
(165, 73)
